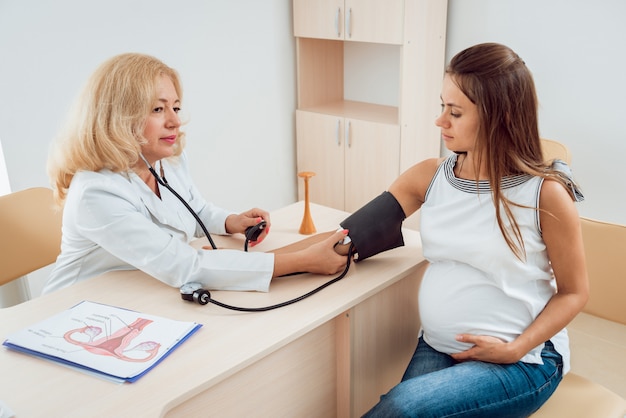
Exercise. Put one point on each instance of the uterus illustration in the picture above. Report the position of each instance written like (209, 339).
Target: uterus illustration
(117, 344)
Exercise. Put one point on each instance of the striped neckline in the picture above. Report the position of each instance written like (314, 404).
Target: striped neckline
(482, 186)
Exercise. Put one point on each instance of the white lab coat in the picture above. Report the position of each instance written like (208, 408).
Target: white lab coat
(113, 221)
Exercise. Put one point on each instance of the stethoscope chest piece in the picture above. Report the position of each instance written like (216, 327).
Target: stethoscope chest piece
(193, 292)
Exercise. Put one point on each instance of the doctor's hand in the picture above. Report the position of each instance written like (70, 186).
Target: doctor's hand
(319, 258)
(324, 259)
(239, 223)
(488, 349)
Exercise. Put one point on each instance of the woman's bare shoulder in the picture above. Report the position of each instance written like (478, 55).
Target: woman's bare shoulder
(427, 165)
(413, 183)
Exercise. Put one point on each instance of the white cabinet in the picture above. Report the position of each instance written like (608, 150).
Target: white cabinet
(354, 20)
(351, 157)
(358, 147)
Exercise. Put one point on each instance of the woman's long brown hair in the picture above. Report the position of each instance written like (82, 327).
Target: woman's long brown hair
(498, 82)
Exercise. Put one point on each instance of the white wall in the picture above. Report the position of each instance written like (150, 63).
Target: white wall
(5, 186)
(576, 51)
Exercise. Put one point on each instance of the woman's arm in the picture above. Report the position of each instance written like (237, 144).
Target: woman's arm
(561, 230)
(319, 258)
(410, 188)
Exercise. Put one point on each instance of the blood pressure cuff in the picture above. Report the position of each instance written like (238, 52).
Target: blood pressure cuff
(376, 227)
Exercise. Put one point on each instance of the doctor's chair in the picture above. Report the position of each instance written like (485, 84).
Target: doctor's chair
(30, 232)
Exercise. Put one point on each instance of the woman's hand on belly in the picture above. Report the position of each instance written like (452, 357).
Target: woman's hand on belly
(488, 349)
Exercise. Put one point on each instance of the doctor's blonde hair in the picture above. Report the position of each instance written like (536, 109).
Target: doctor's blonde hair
(105, 127)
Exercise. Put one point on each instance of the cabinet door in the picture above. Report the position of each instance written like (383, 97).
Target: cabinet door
(320, 148)
(372, 160)
(379, 21)
(318, 19)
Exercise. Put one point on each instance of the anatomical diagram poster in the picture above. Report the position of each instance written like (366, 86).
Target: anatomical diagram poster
(117, 343)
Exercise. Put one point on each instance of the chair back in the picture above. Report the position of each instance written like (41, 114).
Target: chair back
(605, 250)
(30, 232)
(553, 149)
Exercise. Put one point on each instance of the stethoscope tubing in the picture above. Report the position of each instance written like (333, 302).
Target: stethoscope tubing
(163, 182)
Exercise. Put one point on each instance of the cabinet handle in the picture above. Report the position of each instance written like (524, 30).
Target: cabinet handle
(348, 138)
(337, 137)
(337, 22)
(349, 23)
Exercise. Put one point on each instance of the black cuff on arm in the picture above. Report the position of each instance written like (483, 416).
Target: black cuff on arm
(376, 227)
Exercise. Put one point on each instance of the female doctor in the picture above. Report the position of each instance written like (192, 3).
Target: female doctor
(117, 216)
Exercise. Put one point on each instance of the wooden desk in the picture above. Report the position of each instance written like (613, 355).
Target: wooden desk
(332, 354)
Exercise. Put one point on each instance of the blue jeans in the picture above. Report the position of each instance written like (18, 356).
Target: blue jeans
(435, 385)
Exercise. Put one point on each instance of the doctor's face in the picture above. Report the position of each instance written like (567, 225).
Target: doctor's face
(162, 124)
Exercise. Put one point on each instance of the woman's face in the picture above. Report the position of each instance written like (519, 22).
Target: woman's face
(161, 129)
(459, 119)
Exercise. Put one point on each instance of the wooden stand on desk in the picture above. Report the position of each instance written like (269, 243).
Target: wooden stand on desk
(307, 227)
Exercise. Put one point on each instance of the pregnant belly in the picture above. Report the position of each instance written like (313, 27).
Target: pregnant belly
(458, 299)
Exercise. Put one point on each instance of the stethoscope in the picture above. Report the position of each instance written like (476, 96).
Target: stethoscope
(194, 292)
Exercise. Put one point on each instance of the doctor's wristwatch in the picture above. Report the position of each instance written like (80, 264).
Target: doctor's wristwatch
(194, 292)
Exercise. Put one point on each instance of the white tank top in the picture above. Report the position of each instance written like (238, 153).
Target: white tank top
(475, 284)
